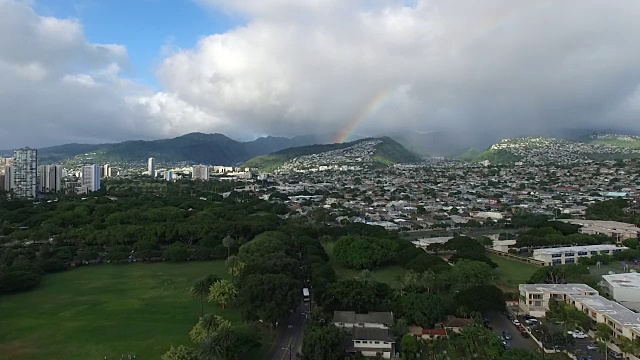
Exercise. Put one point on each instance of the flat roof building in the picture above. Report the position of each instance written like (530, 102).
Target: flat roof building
(623, 287)
(571, 254)
(615, 229)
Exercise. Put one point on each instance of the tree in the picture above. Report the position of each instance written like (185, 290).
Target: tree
(357, 295)
(323, 343)
(465, 274)
(420, 309)
(410, 347)
(359, 252)
(177, 251)
(200, 288)
(206, 326)
(179, 353)
(520, 354)
(268, 297)
(626, 346)
(481, 299)
(229, 242)
(234, 265)
(222, 292)
(603, 334)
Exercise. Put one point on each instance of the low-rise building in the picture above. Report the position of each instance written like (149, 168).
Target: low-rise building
(571, 254)
(369, 334)
(615, 229)
(623, 287)
(534, 298)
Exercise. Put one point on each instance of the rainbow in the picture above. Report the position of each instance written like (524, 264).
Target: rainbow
(372, 106)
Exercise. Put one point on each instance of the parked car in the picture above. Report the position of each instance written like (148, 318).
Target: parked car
(528, 317)
(531, 321)
(506, 335)
(515, 322)
(592, 347)
(505, 345)
(615, 354)
(524, 334)
(578, 334)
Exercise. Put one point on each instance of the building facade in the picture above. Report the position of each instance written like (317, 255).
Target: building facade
(200, 172)
(534, 298)
(91, 177)
(369, 334)
(8, 178)
(25, 173)
(50, 178)
(571, 254)
(614, 229)
(151, 167)
(623, 287)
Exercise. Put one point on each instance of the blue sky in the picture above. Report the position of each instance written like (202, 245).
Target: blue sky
(143, 26)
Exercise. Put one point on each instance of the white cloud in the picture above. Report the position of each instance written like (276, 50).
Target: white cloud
(297, 67)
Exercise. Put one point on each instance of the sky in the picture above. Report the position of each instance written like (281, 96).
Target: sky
(97, 71)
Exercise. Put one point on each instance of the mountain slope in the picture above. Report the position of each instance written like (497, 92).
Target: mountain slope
(370, 151)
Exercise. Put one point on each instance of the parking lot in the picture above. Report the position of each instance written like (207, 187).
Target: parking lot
(499, 323)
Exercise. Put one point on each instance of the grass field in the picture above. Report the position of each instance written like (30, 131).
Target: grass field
(512, 272)
(387, 274)
(107, 310)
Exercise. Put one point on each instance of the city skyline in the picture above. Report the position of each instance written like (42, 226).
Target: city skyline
(366, 67)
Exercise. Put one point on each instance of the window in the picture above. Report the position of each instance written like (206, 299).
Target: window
(556, 255)
(594, 253)
(569, 261)
(582, 253)
(357, 341)
(604, 252)
(569, 254)
(557, 262)
(377, 342)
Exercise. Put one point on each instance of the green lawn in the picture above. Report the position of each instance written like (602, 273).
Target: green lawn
(387, 274)
(106, 310)
(512, 272)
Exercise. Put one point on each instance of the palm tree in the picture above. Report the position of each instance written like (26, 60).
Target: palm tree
(225, 337)
(603, 334)
(200, 288)
(228, 242)
(428, 280)
(626, 346)
(222, 292)
(366, 275)
(210, 349)
(234, 266)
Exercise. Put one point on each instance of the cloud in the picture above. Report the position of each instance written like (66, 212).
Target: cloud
(503, 66)
(296, 67)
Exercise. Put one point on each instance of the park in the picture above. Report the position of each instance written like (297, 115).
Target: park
(109, 310)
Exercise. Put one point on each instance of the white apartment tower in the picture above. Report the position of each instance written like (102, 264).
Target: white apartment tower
(200, 172)
(106, 171)
(50, 178)
(91, 177)
(25, 173)
(8, 178)
(151, 167)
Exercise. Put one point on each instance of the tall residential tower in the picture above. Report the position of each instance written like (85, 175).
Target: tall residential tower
(25, 173)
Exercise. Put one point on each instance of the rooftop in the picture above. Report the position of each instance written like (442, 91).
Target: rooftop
(587, 248)
(602, 224)
(612, 309)
(624, 280)
(577, 289)
(363, 333)
(372, 317)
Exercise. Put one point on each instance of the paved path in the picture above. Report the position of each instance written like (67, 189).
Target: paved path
(499, 322)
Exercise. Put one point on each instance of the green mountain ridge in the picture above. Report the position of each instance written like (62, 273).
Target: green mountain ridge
(387, 152)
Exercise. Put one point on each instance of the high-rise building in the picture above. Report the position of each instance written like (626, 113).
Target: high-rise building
(151, 167)
(4, 162)
(200, 172)
(50, 178)
(8, 178)
(91, 177)
(106, 171)
(169, 175)
(25, 173)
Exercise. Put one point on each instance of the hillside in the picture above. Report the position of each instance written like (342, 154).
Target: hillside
(624, 141)
(191, 148)
(542, 150)
(370, 152)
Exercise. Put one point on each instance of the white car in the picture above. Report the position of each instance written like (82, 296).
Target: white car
(515, 322)
(577, 334)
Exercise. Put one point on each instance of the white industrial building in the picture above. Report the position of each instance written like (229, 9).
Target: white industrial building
(534, 298)
(623, 287)
(571, 254)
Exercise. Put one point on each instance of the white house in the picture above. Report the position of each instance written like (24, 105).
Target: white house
(623, 287)
(370, 334)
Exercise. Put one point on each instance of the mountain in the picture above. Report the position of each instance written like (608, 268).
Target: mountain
(369, 151)
(192, 148)
(544, 149)
(443, 143)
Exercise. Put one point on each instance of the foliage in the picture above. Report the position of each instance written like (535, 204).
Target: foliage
(607, 210)
(200, 288)
(359, 252)
(354, 294)
(176, 252)
(323, 343)
(420, 309)
(466, 274)
(222, 292)
(268, 297)
(179, 353)
(560, 274)
(482, 299)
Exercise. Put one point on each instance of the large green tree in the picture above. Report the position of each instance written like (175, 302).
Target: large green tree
(222, 292)
(200, 288)
(269, 297)
(323, 343)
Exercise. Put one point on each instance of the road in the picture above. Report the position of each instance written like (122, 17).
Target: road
(290, 340)
(499, 322)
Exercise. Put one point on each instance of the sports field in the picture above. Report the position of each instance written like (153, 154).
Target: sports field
(107, 310)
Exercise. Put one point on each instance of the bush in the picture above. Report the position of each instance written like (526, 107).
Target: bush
(52, 265)
(176, 252)
(15, 281)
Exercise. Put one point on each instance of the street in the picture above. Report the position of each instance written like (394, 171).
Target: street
(499, 322)
(290, 340)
